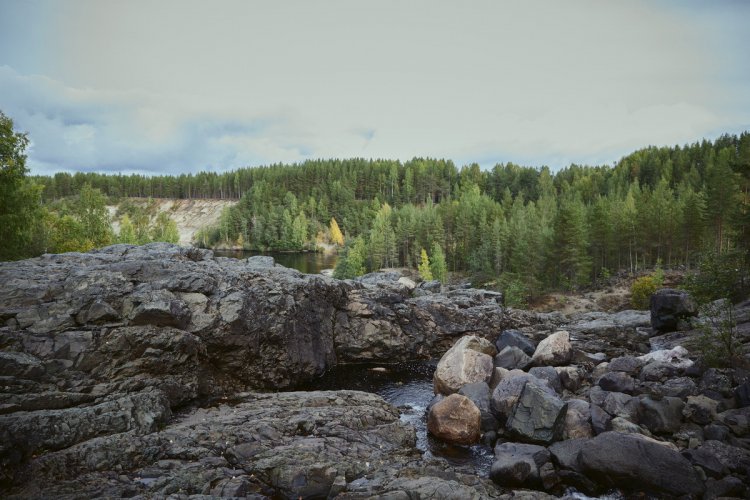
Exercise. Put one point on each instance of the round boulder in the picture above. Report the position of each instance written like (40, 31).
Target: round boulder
(455, 419)
(555, 350)
(467, 362)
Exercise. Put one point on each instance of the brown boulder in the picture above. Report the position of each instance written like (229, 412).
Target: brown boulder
(455, 419)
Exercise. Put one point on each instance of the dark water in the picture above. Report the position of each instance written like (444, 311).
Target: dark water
(304, 262)
(408, 387)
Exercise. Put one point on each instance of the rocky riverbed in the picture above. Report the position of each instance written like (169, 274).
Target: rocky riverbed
(161, 371)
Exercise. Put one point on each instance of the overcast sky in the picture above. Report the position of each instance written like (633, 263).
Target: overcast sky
(183, 86)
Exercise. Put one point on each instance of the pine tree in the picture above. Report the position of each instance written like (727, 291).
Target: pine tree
(351, 262)
(438, 266)
(383, 240)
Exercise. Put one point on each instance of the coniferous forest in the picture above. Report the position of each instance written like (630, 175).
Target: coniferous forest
(525, 228)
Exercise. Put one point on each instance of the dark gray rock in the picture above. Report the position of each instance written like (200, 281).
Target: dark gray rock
(479, 394)
(633, 463)
(537, 416)
(662, 416)
(512, 358)
(600, 420)
(566, 454)
(706, 461)
(728, 487)
(507, 392)
(549, 374)
(715, 432)
(734, 458)
(518, 464)
(742, 394)
(515, 338)
(617, 382)
(668, 307)
(680, 387)
(628, 364)
(657, 371)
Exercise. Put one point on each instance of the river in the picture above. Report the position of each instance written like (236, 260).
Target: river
(304, 262)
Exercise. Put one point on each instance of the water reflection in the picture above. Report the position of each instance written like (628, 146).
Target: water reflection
(304, 262)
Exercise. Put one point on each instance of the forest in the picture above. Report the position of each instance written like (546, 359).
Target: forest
(520, 227)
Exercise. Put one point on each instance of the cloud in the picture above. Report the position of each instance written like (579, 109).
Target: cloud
(137, 131)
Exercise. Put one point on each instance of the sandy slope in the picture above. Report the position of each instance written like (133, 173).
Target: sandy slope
(190, 215)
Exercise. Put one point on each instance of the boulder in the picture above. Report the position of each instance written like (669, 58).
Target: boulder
(633, 463)
(518, 464)
(742, 394)
(617, 382)
(537, 416)
(663, 416)
(700, 409)
(455, 419)
(571, 377)
(578, 420)
(548, 374)
(676, 357)
(554, 350)
(628, 364)
(479, 393)
(600, 420)
(506, 393)
(515, 338)
(668, 307)
(512, 358)
(468, 361)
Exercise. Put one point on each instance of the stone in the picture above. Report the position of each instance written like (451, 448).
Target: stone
(515, 338)
(498, 374)
(738, 421)
(663, 416)
(734, 458)
(727, 487)
(518, 464)
(578, 420)
(479, 393)
(628, 364)
(668, 307)
(680, 387)
(554, 350)
(512, 358)
(742, 394)
(549, 374)
(600, 420)
(706, 461)
(468, 361)
(571, 377)
(678, 357)
(715, 432)
(617, 382)
(657, 371)
(455, 419)
(619, 404)
(537, 416)
(633, 463)
(700, 409)
(566, 454)
(506, 393)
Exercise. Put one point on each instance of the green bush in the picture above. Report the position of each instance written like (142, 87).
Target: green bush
(642, 290)
(719, 340)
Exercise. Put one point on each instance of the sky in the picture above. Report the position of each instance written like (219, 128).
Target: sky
(180, 86)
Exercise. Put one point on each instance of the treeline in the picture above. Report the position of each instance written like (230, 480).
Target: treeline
(526, 228)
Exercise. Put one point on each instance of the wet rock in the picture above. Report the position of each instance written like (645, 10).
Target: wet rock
(633, 463)
(512, 358)
(515, 338)
(668, 307)
(518, 464)
(455, 419)
(554, 350)
(537, 416)
(468, 361)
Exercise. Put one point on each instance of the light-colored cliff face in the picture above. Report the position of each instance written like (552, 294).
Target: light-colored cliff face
(190, 215)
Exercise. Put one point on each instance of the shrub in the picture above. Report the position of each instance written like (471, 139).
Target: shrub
(719, 339)
(641, 291)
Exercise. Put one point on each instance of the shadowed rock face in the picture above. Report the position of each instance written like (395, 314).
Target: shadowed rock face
(99, 350)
